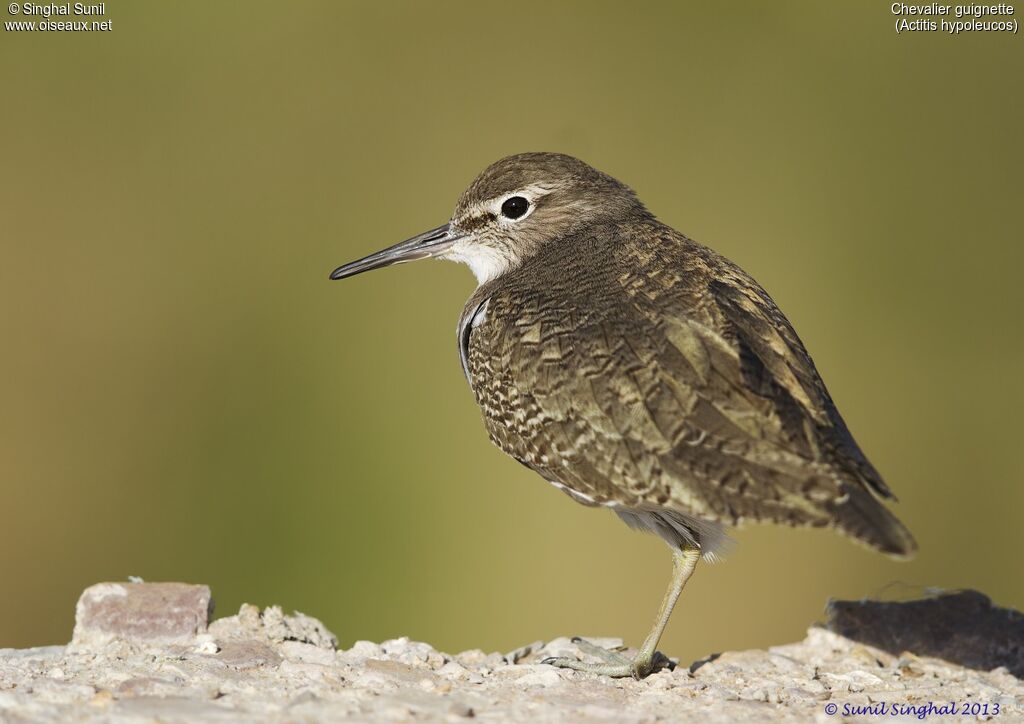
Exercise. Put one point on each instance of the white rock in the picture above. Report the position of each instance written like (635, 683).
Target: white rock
(272, 667)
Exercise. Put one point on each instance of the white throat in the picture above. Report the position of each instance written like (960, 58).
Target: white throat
(486, 264)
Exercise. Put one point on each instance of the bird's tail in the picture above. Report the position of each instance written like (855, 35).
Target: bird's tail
(865, 519)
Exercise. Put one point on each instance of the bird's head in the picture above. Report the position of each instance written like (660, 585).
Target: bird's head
(510, 211)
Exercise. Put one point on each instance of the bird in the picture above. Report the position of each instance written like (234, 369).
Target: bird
(636, 369)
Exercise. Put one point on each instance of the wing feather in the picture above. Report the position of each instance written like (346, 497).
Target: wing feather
(672, 381)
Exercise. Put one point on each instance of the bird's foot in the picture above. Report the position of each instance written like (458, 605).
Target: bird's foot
(612, 663)
(609, 655)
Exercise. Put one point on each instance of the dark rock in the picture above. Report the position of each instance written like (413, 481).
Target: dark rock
(962, 627)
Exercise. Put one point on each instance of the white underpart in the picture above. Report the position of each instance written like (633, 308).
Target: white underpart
(485, 263)
(669, 525)
(574, 494)
(480, 316)
(673, 527)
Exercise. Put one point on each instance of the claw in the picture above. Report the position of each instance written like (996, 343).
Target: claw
(614, 670)
(614, 665)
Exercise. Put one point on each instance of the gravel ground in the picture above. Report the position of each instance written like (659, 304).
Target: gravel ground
(143, 652)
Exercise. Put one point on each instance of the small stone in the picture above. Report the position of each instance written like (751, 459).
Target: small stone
(413, 653)
(471, 657)
(461, 709)
(58, 690)
(544, 677)
(856, 700)
(437, 685)
(753, 694)
(296, 627)
(206, 645)
(1007, 703)
(249, 616)
(797, 695)
(146, 686)
(306, 697)
(245, 654)
(308, 653)
(365, 648)
(101, 699)
(815, 687)
(660, 681)
(141, 612)
(397, 646)
(458, 672)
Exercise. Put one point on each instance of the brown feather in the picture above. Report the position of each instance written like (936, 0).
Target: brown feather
(637, 368)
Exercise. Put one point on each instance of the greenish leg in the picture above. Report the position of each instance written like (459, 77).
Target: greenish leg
(683, 563)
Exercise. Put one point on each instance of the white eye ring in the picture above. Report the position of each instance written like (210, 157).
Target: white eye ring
(516, 208)
(532, 194)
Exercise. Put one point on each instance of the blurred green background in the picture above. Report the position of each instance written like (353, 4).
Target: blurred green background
(186, 397)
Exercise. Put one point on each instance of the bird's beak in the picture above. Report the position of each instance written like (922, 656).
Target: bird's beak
(425, 245)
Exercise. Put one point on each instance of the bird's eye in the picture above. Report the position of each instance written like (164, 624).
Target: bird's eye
(514, 207)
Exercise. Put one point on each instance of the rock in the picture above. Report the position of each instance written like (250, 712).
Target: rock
(963, 627)
(146, 612)
(265, 665)
(273, 626)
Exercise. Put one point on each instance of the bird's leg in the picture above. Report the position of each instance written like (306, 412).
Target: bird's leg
(683, 563)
